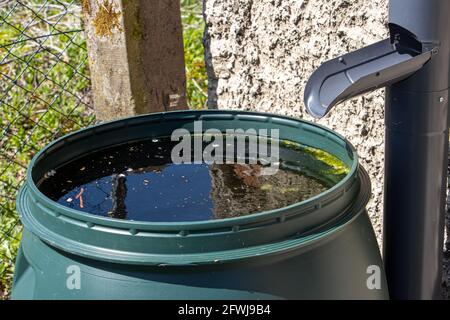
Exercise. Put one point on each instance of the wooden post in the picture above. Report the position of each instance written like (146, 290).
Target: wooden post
(136, 56)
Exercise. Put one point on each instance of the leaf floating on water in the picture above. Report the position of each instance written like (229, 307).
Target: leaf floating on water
(248, 173)
(266, 187)
(289, 189)
(69, 200)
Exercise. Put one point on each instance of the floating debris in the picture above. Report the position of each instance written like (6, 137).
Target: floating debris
(49, 174)
(289, 189)
(79, 196)
(266, 187)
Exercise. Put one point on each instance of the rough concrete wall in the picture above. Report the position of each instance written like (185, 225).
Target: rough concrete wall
(260, 54)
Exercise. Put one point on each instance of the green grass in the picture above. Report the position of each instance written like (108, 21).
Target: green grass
(193, 28)
(50, 96)
(43, 95)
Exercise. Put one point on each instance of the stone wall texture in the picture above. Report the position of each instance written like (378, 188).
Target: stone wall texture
(260, 54)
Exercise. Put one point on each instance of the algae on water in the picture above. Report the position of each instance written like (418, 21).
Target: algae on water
(334, 164)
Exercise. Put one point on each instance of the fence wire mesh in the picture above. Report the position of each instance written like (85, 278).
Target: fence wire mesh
(44, 94)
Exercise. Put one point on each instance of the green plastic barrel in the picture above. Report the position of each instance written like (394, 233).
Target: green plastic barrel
(321, 248)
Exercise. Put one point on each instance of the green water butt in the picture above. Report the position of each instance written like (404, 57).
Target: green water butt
(320, 248)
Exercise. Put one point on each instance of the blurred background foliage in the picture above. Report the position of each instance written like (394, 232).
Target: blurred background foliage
(45, 92)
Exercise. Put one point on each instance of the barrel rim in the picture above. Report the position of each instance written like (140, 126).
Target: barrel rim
(144, 242)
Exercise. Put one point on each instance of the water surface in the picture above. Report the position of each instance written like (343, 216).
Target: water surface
(139, 181)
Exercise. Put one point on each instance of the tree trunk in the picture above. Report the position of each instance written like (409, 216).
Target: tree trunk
(136, 56)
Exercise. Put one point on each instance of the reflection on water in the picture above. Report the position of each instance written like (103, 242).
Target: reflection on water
(138, 181)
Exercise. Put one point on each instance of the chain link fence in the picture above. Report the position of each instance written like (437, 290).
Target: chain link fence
(44, 94)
